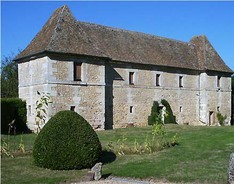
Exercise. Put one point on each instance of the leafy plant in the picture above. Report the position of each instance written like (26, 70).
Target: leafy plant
(5, 148)
(174, 140)
(21, 147)
(158, 130)
(156, 142)
(221, 118)
(137, 147)
(41, 109)
(122, 146)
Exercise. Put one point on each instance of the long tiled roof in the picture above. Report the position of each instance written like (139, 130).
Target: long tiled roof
(62, 33)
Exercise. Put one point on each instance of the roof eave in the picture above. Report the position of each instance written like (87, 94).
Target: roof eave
(53, 53)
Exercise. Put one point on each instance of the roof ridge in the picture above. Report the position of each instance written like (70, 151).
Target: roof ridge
(57, 26)
(134, 32)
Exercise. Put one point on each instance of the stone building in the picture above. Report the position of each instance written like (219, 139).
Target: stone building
(112, 76)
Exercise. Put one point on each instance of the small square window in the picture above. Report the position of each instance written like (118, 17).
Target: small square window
(72, 108)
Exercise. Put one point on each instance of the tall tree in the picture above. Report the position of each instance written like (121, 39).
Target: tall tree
(9, 77)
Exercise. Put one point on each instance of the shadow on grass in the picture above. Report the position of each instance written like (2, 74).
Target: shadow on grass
(105, 176)
(107, 157)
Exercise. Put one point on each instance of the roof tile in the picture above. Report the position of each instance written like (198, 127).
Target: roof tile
(62, 33)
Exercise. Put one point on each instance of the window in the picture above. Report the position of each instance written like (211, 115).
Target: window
(72, 108)
(218, 108)
(157, 79)
(29, 110)
(181, 108)
(218, 81)
(180, 81)
(131, 78)
(77, 71)
(131, 109)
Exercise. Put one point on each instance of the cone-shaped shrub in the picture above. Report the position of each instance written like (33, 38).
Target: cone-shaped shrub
(155, 116)
(169, 118)
(67, 141)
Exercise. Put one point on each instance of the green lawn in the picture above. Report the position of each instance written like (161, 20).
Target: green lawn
(201, 156)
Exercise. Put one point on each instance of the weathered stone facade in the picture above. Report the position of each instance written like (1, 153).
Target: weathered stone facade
(104, 97)
(121, 73)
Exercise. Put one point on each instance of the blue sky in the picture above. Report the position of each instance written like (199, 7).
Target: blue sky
(21, 21)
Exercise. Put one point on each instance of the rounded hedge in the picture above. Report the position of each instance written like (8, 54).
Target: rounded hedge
(67, 141)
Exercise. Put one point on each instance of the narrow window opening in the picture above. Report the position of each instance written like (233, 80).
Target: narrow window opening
(181, 108)
(218, 81)
(29, 110)
(218, 108)
(131, 78)
(72, 108)
(131, 109)
(77, 71)
(157, 79)
(180, 81)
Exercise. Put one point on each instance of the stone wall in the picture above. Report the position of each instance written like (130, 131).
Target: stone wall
(33, 77)
(85, 96)
(132, 103)
(106, 100)
(214, 99)
(55, 77)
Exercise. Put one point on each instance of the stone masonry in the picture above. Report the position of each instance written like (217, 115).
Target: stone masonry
(104, 96)
(112, 76)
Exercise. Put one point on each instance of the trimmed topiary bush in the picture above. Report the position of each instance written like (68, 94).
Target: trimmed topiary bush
(67, 141)
(169, 118)
(155, 116)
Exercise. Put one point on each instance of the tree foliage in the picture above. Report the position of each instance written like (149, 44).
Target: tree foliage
(9, 77)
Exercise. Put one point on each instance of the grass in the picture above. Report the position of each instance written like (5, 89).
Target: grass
(202, 156)
(21, 169)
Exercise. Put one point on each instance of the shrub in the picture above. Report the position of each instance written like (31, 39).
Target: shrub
(155, 116)
(67, 141)
(221, 118)
(168, 117)
(13, 109)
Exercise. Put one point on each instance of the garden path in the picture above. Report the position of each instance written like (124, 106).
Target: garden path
(116, 180)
